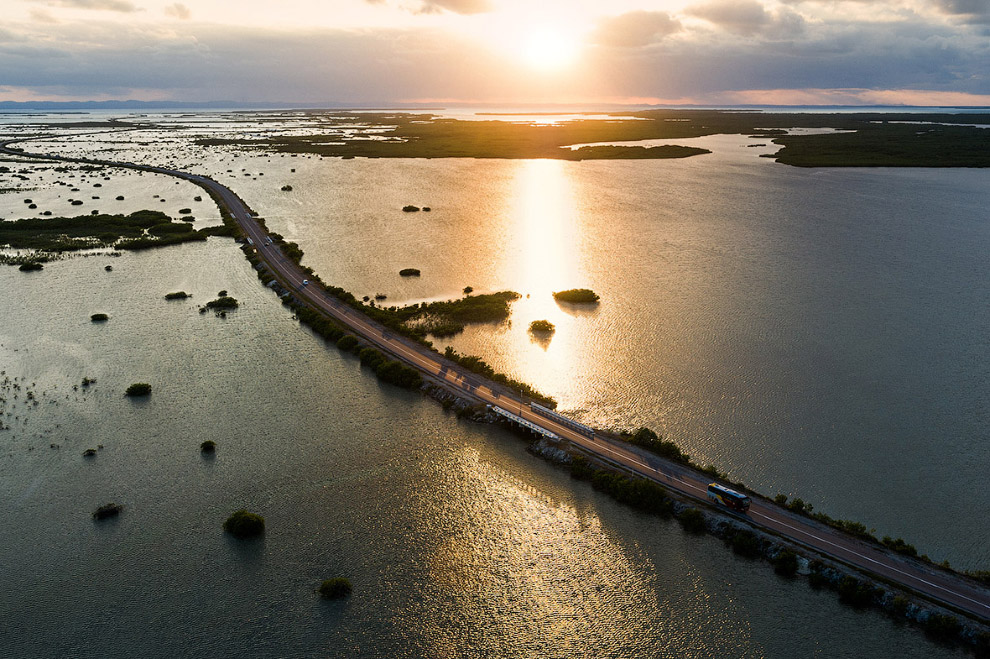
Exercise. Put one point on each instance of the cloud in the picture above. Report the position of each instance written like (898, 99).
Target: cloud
(971, 11)
(178, 10)
(749, 17)
(634, 29)
(42, 16)
(440, 6)
(124, 6)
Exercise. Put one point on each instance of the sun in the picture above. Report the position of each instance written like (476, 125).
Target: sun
(548, 50)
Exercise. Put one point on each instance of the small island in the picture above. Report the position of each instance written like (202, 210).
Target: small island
(99, 317)
(409, 272)
(576, 296)
(223, 302)
(335, 588)
(244, 524)
(177, 295)
(542, 327)
(410, 209)
(138, 389)
(209, 446)
(107, 510)
(31, 266)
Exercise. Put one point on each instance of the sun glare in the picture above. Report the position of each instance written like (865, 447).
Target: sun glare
(548, 50)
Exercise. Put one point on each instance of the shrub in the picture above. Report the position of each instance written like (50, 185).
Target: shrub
(223, 302)
(138, 389)
(656, 444)
(468, 290)
(209, 446)
(347, 342)
(856, 593)
(409, 272)
(185, 211)
(576, 296)
(693, 521)
(107, 510)
(786, 563)
(541, 326)
(30, 266)
(899, 546)
(410, 208)
(244, 524)
(176, 295)
(942, 626)
(335, 588)
(99, 317)
(899, 605)
(745, 543)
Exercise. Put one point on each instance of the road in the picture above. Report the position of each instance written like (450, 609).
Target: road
(962, 594)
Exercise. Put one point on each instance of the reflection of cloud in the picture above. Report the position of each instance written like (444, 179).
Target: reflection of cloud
(178, 10)
(108, 5)
(634, 29)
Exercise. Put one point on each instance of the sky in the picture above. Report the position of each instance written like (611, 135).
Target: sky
(499, 52)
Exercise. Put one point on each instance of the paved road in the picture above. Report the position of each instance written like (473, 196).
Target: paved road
(962, 594)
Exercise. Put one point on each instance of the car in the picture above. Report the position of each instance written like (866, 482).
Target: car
(305, 282)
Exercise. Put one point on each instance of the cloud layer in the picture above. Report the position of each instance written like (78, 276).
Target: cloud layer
(712, 51)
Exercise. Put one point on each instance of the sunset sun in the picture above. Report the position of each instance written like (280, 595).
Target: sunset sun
(548, 50)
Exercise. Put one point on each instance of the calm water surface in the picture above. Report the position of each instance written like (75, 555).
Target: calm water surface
(457, 541)
(814, 332)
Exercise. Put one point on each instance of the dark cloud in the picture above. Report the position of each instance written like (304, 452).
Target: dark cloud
(634, 29)
(369, 67)
(970, 11)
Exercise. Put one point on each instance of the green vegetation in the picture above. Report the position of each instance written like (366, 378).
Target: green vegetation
(31, 266)
(347, 342)
(785, 563)
(335, 588)
(224, 302)
(876, 139)
(410, 209)
(177, 295)
(138, 389)
(390, 371)
(544, 326)
(409, 272)
(59, 234)
(209, 446)
(639, 493)
(576, 296)
(654, 443)
(107, 510)
(693, 521)
(479, 366)
(99, 317)
(899, 545)
(468, 290)
(244, 524)
(856, 593)
(745, 543)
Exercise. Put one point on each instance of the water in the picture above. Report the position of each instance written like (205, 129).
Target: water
(815, 332)
(457, 541)
(818, 333)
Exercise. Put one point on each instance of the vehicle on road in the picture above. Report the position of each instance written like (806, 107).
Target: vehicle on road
(305, 282)
(728, 498)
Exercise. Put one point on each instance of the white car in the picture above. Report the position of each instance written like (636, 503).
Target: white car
(305, 282)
